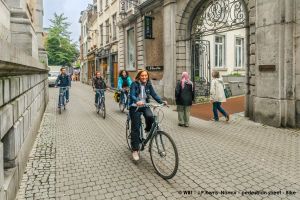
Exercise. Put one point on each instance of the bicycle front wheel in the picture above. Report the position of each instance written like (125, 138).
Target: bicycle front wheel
(164, 155)
(103, 110)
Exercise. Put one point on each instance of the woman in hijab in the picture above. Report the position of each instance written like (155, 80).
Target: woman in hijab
(184, 95)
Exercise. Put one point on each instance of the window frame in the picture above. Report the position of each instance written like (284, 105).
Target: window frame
(217, 50)
(242, 54)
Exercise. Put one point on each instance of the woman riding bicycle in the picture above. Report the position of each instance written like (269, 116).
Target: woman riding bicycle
(124, 82)
(140, 91)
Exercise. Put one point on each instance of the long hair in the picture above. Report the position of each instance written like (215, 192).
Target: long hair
(121, 73)
(137, 77)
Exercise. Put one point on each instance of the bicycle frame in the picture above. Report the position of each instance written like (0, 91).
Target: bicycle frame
(101, 95)
(155, 126)
(62, 95)
(124, 98)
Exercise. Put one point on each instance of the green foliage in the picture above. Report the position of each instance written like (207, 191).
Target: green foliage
(61, 49)
(235, 74)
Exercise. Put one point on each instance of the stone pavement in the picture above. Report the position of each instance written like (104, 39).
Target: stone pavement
(78, 155)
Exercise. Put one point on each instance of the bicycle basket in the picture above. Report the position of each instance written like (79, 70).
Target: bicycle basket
(117, 96)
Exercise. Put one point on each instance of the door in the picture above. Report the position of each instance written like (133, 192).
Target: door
(116, 74)
(201, 67)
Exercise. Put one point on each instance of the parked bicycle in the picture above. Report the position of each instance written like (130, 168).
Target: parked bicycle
(162, 148)
(62, 99)
(124, 99)
(100, 108)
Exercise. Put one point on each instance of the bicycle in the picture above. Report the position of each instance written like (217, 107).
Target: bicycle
(100, 107)
(61, 99)
(125, 100)
(161, 144)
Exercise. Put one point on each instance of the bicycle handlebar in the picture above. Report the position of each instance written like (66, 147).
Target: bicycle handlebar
(64, 87)
(150, 105)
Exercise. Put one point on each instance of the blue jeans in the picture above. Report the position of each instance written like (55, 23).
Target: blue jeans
(98, 93)
(122, 97)
(66, 95)
(217, 107)
(136, 124)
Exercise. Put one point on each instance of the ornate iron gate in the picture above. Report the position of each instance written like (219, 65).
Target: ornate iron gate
(215, 16)
(201, 66)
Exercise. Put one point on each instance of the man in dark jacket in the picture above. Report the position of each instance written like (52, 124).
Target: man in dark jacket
(64, 80)
(98, 83)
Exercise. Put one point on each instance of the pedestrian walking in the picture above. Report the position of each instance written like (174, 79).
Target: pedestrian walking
(184, 96)
(217, 96)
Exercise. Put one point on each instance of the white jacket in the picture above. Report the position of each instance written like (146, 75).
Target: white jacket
(217, 91)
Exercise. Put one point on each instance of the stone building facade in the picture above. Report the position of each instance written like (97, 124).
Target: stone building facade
(99, 39)
(272, 43)
(23, 87)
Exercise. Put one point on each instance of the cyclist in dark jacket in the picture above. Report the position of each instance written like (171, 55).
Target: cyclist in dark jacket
(98, 83)
(64, 80)
(140, 92)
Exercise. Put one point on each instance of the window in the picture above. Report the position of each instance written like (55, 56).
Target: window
(219, 51)
(114, 18)
(101, 35)
(130, 50)
(107, 31)
(239, 52)
(129, 4)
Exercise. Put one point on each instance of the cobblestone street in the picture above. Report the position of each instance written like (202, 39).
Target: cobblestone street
(79, 155)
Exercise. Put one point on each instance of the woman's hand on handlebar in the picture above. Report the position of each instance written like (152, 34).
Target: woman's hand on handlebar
(140, 103)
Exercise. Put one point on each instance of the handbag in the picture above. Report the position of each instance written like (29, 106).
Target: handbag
(226, 92)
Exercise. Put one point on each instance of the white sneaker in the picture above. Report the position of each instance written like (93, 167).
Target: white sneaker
(135, 155)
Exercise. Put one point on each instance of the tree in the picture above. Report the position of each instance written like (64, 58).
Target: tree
(61, 49)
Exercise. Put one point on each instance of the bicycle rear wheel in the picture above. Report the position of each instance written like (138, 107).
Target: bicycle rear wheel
(164, 155)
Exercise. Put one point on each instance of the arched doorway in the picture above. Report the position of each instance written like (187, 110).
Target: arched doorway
(218, 30)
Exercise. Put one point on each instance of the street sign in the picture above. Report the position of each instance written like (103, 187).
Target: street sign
(154, 68)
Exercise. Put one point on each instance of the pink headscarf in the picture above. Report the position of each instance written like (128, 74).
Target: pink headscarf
(185, 78)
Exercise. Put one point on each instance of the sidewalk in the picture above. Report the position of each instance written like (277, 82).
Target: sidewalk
(232, 106)
(79, 155)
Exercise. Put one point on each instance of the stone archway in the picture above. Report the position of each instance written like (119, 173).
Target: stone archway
(184, 38)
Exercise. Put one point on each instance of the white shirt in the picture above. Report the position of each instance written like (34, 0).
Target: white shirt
(217, 91)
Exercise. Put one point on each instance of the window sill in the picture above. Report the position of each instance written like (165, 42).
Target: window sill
(239, 68)
(220, 68)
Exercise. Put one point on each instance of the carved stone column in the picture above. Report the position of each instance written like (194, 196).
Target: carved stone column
(169, 32)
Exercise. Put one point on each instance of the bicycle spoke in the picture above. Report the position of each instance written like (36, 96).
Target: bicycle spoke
(164, 155)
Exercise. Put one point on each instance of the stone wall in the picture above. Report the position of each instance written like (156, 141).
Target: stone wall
(23, 97)
(4, 22)
(274, 97)
(23, 94)
(297, 60)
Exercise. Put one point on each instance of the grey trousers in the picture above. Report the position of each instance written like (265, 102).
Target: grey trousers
(183, 114)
